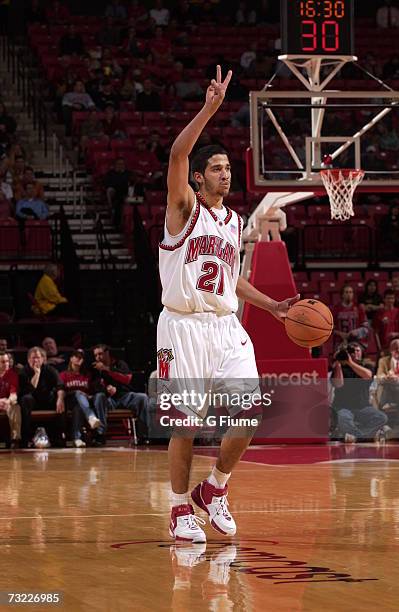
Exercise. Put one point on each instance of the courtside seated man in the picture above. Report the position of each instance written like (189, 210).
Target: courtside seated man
(199, 336)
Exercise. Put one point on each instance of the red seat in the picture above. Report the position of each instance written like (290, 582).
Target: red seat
(9, 239)
(321, 275)
(347, 276)
(376, 275)
(38, 239)
(300, 276)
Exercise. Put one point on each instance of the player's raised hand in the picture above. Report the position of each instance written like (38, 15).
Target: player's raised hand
(217, 90)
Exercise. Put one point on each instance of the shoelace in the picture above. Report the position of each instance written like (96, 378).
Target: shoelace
(193, 521)
(222, 506)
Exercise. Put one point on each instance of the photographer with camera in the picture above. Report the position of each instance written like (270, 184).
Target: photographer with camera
(351, 380)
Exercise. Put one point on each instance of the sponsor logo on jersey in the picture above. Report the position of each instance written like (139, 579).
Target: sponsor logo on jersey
(210, 245)
(165, 356)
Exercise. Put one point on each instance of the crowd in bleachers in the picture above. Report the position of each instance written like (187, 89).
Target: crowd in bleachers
(55, 396)
(23, 206)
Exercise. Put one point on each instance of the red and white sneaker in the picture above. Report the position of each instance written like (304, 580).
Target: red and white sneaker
(184, 525)
(214, 502)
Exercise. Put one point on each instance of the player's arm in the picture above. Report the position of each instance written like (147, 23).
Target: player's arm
(247, 292)
(180, 194)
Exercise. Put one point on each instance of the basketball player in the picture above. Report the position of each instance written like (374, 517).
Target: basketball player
(199, 336)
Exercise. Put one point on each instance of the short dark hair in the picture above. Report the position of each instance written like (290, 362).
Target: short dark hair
(389, 292)
(200, 159)
(104, 347)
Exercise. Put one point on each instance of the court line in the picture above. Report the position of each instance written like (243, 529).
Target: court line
(287, 510)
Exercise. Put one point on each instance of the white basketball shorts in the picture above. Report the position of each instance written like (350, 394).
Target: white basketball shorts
(204, 352)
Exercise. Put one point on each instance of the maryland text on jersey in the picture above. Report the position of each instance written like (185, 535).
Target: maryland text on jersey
(210, 245)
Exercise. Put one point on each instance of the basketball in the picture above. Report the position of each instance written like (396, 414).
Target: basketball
(309, 323)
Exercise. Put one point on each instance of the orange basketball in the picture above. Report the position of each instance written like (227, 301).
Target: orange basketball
(309, 323)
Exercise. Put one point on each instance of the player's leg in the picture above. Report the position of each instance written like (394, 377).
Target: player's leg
(236, 371)
(180, 456)
(176, 363)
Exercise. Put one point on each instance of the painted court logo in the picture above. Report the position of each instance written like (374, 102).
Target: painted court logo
(165, 356)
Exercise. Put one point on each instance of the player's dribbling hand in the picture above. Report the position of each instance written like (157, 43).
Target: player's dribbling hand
(217, 90)
(284, 306)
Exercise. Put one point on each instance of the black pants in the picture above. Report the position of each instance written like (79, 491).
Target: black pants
(57, 426)
(65, 309)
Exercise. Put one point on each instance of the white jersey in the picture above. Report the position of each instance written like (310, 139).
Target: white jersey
(199, 267)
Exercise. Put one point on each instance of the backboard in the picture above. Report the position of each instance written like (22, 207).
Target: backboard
(292, 131)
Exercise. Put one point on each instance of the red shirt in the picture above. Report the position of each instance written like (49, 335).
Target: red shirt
(348, 318)
(74, 381)
(386, 322)
(9, 383)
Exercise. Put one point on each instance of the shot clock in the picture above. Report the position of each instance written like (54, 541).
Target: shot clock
(317, 27)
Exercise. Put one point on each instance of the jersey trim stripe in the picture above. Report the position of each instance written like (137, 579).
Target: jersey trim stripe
(240, 226)
(168, 247)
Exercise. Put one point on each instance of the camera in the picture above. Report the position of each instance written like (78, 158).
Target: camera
(342, 355)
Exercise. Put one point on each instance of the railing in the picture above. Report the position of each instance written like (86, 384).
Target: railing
(20, 69)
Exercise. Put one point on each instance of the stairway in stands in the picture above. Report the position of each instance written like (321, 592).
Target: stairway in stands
(81, 204)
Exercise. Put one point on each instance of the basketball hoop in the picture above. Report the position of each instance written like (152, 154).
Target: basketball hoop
(340, 185)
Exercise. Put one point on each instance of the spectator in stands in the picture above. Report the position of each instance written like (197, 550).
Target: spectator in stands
(370, 299)
(48, 300)
(5, 187)
(109, 35)
(111, 70)
(155, 146)
(76, 100)
(131, 87)
(115, 377)
(28, 178)
(17, 167)
(390, 229)
(351, 379)
(85, 407)
(117, 10)
(57, 13)
(388, 383)
(54, 358)
(90, 129)
(107, 96)
(247, 57)
(8, 121)
(116, 182)
(386, 320)
(388, 138)
(245, 15)
(3, 345)
(184, 13)
(147, 165)
(160, 14)
(188, 89)
(148, 100)
(112, 125)
(350, 320)
(9, 385)
(137, 12)
(261, 66)
(6, 210)
(30, 207)
(161, 47)
(387, 16)
(71, 43)
(35, 13)
(41, 389)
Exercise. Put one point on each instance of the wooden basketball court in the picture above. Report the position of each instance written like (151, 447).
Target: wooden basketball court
(318, 530)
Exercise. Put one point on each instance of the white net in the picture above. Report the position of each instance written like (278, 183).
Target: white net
(340, 186)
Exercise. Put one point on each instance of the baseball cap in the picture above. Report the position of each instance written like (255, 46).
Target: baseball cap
(78, 353)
